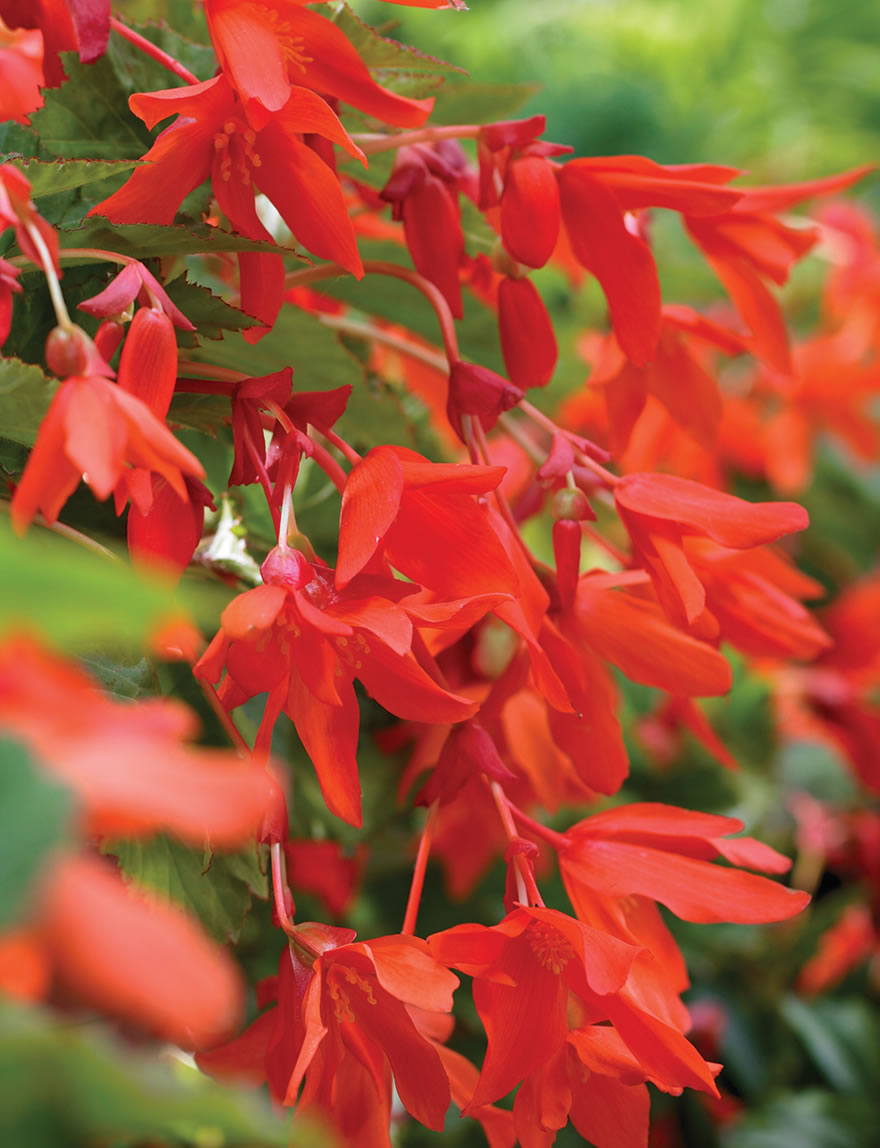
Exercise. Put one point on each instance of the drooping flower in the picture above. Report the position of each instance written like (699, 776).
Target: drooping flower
(342, 1028)
(542, 981)
(95, 431)
(304, 642)
(661, 511)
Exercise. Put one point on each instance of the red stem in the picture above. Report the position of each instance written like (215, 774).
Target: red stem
(154, 52)
(418, 878)
(525, 878)
(557, 840)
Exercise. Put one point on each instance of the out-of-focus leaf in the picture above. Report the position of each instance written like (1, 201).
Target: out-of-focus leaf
(76, 598)
(470, 103)
(72, 1087)
(33, 817)
(127, 679)
(397, 66)
(298, 339)
(810, 1119)
(842, 1038)
(215, 888)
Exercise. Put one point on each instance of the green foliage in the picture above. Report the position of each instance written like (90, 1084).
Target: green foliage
(34, 812)
(25, 394)
(73, 1087)
(215, 887)
(77, 598)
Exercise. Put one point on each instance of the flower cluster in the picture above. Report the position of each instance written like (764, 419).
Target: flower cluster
(482, 602)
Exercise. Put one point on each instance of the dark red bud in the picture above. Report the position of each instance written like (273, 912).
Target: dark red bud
(567, 551)
(475, 390)
(530, 212)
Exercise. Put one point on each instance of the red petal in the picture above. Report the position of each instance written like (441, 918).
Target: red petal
(370, 503)
(138, 958)
(621, 262)
(727, 519)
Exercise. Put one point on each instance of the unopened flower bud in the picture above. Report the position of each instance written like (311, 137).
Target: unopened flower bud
(571, 504)
(286, 567)
(69, 352)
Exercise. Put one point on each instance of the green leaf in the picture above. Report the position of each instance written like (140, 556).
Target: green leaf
(34, 812)
(215, 888)
(137, 72)
(128, 679)
(842, 1038)
(148, 240)
(299, 339)
(25, 394)
(74, 1087)
(207, 311)
(470, 103)
(74, 597)
(54, 176)
(88, 117)
(397, 66)
(810, 1119)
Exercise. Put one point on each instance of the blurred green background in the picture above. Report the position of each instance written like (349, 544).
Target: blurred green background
(786, 88)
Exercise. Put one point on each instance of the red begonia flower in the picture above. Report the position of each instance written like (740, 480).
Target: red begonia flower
(265, 47)
(211, 138)
(342, 1026)
(304, 642)
(18, 212)
(165, 534)
(664, 853)
(660, 510)
(21, 73)
(539, 977)
(94, 430)
(423, 516)
(81, 26)
(136, 957)
(746, 245)
(8, 284)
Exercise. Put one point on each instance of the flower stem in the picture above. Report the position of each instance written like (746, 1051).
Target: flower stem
(153, 51)
(418, 878)
(527, 890)
(427, 355)
(58, 304)
(371, 143)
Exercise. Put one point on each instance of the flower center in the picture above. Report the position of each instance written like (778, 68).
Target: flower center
(292, 46)
(551, 949)
(240, 139)
(340, 995)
